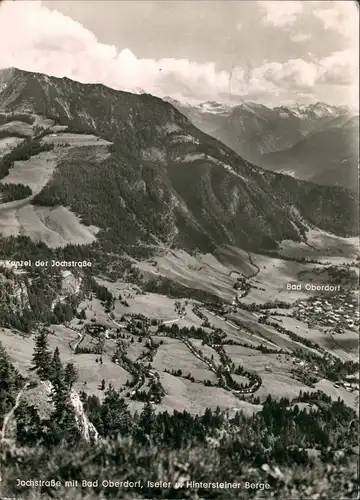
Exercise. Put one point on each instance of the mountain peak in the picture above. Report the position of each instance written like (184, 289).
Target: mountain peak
(318, 109)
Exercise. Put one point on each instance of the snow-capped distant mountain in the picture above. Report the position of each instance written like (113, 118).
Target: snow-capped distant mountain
(318, 110)
(252, 129)
(214, 107)
(211, 107)
(207, 116)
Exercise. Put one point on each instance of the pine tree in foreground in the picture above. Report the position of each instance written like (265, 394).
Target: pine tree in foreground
(10, 383)
(62, 424)
(42, 355)
(115, 415)
(70, 375)
(147, 422)
(28, 425)
(56, 371)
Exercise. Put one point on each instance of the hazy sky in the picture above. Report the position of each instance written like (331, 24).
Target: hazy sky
(274, 52)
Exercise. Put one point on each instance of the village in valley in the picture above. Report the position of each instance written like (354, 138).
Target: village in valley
(187, 352)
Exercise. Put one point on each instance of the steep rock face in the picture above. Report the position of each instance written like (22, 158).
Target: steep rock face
(87, 429)
(70, 284)
(165, 180)
(14, 297)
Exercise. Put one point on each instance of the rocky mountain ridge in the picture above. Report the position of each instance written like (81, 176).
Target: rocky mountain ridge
(327, 157)
(164, 180)
(253, 130)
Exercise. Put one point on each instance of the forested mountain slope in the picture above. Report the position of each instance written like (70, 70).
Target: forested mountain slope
(164, 180)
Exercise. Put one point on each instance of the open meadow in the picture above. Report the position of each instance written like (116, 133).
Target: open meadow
(343, 345)
(8, 143)
(350, 398)
(17, 127)
(174, 355)
(272, 279)
(89, 370)
(198, 272)
(323, 246)
(274, 369)
(235, 332)
(185, 395)
(55, 226)
(266, 334)
(207, 351)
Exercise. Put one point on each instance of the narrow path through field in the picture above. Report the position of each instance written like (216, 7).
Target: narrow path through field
(214, 369)
(233, 325)
(169, 321)
(254, 265)
(80, 338)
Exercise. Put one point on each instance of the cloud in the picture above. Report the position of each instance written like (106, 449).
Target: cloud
(47, 41)
(300, 37)
(342, 17)
(338, 71)
(340, 68)
(56, 44)
(280, 13)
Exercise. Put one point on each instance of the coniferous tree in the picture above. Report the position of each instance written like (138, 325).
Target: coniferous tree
(146, 422)
(42, 355)
(70, 374)
(28, 425)
(62, 424)
(92, 407)
(116, 417)
(10, 383)
(82, 314)
(56, 371)
(5, 381)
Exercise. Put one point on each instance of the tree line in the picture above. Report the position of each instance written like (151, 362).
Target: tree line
(278, 435)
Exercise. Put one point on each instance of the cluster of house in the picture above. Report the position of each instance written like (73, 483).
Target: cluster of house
(131, 291)
(340, 312)
(351, 383)
(94, 330)
(305, 365)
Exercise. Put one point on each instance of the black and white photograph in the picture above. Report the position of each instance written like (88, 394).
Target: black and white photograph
(179, 250)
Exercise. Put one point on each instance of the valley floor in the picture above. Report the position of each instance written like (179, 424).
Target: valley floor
(285, 351)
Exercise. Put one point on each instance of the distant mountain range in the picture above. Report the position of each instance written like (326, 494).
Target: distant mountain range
(255, 131)
(207, 116)
(163, 179)
(328, 157)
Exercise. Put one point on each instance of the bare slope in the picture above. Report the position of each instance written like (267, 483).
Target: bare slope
(56, 226)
